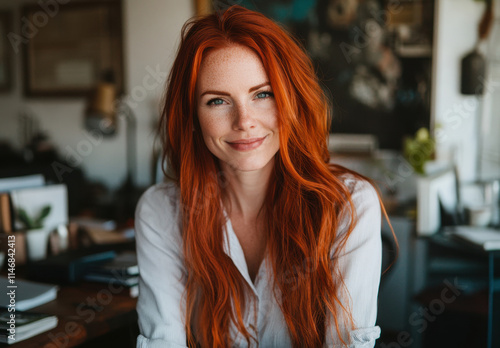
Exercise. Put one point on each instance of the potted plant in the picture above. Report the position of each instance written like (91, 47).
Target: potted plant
(36, 233)
(419, 150)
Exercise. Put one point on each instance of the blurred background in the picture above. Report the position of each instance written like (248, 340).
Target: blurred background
(415, 90)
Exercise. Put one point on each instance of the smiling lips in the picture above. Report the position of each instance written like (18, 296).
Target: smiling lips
(246, 144)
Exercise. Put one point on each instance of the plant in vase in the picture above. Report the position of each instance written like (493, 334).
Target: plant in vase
(36, 233)
(419, 150)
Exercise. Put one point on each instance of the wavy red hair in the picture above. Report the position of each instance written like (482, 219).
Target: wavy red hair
(305, 198)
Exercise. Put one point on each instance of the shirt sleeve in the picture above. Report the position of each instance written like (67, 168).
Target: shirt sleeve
(161, 270)
(360, 265)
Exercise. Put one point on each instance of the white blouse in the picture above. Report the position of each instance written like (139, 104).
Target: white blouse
(162, 274)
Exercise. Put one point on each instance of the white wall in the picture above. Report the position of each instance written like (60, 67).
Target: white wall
(151, 35)
(490, 158)
(454, 115)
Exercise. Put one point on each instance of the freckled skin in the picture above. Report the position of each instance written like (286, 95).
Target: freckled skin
(232, 111)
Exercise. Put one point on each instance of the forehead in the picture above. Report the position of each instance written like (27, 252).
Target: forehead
(230, 66)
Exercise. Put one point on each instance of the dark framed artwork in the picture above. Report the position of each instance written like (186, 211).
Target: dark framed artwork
(378, 82)
(74, 49)
(5, 53)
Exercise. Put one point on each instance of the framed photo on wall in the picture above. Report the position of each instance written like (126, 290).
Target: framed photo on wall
(74, 49)
(5, 53)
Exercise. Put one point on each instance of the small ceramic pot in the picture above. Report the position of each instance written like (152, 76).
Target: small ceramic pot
(37, 241)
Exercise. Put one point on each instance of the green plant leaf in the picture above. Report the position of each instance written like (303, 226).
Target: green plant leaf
(36, 223)
(24, 218)
(43, 214)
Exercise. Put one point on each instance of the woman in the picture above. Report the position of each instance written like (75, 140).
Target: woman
(256, 240)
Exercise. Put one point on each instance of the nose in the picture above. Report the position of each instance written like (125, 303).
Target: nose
(243, 118)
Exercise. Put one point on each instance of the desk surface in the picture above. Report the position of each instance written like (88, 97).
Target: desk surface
(446, 239)
(85, 311)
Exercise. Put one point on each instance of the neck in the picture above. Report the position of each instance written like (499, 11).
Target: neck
(246, 191)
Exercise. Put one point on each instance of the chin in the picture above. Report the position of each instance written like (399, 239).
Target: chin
(250, 164)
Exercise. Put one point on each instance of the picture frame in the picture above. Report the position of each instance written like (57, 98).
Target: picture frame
(5, 52)
(76, 48)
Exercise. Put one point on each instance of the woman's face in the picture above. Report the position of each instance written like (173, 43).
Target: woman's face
(236, 109)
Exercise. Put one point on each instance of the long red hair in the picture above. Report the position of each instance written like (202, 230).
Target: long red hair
(305, 197)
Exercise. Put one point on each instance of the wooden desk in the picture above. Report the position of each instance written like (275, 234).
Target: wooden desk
(90, 315)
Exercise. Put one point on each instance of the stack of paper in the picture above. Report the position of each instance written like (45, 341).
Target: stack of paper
(26, 324)
(123, 270)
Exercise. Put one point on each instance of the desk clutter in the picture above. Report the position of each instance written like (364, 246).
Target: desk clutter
(16, 324)
(27, 325)
(63, 258)
(28, 294)
(32, 210)
(37, 215)
(486, 238)
(442, 201)
(106, 267)
(69, 269)
(123, 270)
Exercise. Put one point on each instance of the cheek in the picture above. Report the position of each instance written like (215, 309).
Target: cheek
(211, 126)
(274, 126)
(273, 121)
(276, 142)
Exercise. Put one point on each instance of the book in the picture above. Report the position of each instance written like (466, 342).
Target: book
(131, 282)
(28, 294)
(19, 326)
(126, 280)
(104, 236)
(21, 182)
(122, 270)
(124, 264)
(5, 213)
(69, 266)
(486, 238)
(104, 231)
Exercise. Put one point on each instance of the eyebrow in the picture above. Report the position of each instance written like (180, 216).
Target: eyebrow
(227, 94)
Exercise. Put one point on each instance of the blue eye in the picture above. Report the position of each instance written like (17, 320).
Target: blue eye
(215, 101)
(265, 95)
